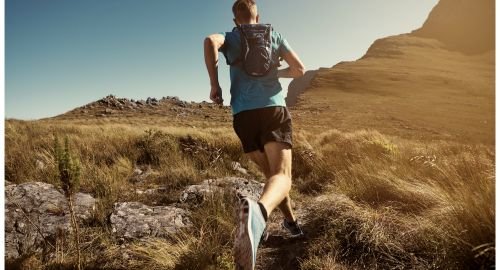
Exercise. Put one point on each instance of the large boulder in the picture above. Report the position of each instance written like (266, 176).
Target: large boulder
(298, 86)
(195, 194)
(35, 209)
(134, 220)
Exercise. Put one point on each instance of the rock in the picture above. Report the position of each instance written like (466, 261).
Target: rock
(40, 165)
(134, 220)
(108, 111)
(150, 100)
(298, 86)
(237, 167)
(195, 194)
(153, 191)
(182, 104)
(140, 175)
(44, 206)
(8, 183)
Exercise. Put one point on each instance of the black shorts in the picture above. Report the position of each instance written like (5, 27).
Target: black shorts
(257, 127)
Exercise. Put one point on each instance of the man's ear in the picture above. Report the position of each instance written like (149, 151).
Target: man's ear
(257, 18)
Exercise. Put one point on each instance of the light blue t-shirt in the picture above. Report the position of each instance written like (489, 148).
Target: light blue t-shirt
(249, 92)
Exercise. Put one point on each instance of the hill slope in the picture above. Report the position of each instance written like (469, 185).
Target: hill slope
(422, 85)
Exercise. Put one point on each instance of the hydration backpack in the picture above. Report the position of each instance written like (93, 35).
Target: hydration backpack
(256, 49)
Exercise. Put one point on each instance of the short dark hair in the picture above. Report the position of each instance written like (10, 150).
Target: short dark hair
(245, 9)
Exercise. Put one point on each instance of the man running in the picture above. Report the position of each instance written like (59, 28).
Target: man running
(263, 124)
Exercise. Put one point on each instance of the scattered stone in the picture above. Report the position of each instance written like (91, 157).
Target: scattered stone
(140, 175)
(134, 220)
(40, 165)
(108, 111)
(195, 194)
(152, 101)
(236, 166)
(36, 204)
(153, 191)
(182, 104)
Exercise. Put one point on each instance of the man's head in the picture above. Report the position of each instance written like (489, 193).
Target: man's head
(245, 12)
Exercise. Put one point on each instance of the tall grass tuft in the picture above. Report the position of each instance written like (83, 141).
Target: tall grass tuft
(69, 175)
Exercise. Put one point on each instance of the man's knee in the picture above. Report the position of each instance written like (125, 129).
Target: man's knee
(279, 158)
(260, 159)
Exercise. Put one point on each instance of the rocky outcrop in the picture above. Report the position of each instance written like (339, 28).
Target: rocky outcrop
(195, 194)
(36, 212)
(134, 220)
(298, 86)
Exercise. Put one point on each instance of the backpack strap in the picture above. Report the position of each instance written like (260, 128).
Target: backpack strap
(242, 35)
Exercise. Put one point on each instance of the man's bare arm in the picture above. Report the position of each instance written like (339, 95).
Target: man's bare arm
(212, 45)
(295, 67)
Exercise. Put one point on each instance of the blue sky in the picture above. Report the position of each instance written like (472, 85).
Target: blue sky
(61, 54)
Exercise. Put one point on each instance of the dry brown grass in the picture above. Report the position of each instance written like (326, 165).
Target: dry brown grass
(404, 204)
(374, 201)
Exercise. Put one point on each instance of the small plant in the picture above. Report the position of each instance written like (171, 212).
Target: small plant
(69, 175)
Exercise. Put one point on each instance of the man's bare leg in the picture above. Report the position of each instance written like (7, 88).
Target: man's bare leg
(261, 160)
(278, 186)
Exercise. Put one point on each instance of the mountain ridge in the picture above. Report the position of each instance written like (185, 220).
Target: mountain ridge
(410, 85)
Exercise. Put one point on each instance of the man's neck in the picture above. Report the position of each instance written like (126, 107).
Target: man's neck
(250, 22)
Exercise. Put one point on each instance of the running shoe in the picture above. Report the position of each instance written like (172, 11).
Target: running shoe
(251, 227)
(293, 228)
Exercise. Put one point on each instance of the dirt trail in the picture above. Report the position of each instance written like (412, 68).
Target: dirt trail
(281, 251)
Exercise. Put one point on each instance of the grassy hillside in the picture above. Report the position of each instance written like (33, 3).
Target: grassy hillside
(370, 200)
(406, 86)
(436, 82)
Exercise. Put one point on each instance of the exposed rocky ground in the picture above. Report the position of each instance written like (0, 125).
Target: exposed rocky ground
(112, 108)
(37, 212)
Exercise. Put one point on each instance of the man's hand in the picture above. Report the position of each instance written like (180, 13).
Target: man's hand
(216, 95)
(212, 45)
(295, 67)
